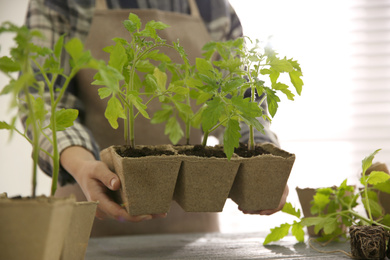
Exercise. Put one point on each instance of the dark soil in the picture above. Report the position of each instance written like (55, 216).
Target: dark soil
(243, 151)
(143, 152)
(201, 151)
(368, 242)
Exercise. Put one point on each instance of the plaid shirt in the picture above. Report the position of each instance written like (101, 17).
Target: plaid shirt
(73, 18)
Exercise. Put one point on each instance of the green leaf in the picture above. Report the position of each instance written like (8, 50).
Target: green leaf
(7, 65)
(162, 115)
(59, 46)
(183, 108)
(204, 67)
(377, 177)
(161, 78)
(250, 109)
(298, 232)
(330, 225)
(174, 130)
(277, 233)
(4, 125)
(212, 112)
(75, 48)
(253, 122)
(233, 84)
(281, 65)
(284, 89)
(231, 137)
(320, 201)
(130, 26)
(105, 92)
(384, 187)
(289, 209)
(386, 220)
(64, 118)
(367, 162)
(137, 102)
(272, 101)
(118, 57)
(114, 110)
(135, 20)
(295, 77)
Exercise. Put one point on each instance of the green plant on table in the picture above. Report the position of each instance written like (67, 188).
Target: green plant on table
(334, 208)
(121, 81)
(222, 84)
(39, 69)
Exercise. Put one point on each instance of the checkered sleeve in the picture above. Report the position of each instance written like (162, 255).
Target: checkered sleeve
(53, 19)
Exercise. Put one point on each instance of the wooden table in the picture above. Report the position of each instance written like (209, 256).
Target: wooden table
(205, 246)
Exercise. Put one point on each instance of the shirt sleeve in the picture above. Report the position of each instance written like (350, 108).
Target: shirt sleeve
(53, 19)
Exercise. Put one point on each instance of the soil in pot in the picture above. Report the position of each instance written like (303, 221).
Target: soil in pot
(148, 182)
(368, 242)
(243, 151)
(205, 178)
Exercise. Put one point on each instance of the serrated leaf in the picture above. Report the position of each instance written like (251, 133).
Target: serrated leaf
(161, 78)
(75, 48)
(232, 85)
(7, 65)
(284, 89)
(367, 161)
(135, 19)
(384, 187)
(377, 177)
(212, 113)
(321, 201)
(295, 77)
(162, 115)
(183, 108)
(114, 110)
(118, 57)
(104, 92)
(173, 129)
(250, 109)
(330, 225)
(231, 137)
(281, 65)
(204, 67)
(289, 209)
(64, 118)
(130, 26)
(272, 101)
(277, 233)
(386, 220)
(298, 232)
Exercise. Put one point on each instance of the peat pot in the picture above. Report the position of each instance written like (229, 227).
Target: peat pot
(34, 228)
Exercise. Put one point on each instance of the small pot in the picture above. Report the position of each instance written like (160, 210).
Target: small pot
(79, 231)
(147, 182)
(204, 183)
(34, 229)
(261, 179)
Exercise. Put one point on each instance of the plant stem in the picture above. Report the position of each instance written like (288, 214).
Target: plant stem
(205, 136)
(366, 195)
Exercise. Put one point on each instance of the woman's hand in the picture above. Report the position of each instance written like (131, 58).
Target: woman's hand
(96, 180)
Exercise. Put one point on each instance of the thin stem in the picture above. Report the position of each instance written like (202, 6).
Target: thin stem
(366, 196)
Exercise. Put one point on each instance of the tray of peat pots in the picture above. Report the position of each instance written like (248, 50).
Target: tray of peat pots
(208, 94)
(41, 227)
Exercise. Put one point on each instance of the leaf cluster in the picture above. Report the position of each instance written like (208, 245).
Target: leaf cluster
(35, 93)
(132, 79)
(334, 208)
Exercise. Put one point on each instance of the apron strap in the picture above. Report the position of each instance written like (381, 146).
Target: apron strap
(102, 5)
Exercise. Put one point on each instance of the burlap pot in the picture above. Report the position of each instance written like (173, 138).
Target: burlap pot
(147, 183)
(34, 228)
(261, 179)
(203, 184)
(79, 231)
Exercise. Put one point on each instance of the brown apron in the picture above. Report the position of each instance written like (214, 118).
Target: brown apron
(106, 25)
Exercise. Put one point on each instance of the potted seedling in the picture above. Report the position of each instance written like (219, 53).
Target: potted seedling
(264, 169)
(336, 216)
(148, 174)
(41, 225)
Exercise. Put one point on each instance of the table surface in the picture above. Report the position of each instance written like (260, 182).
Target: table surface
(207, 246)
